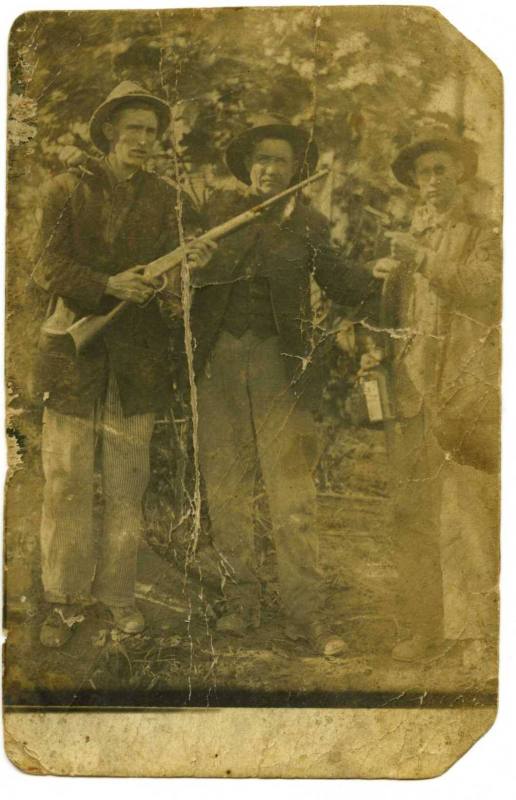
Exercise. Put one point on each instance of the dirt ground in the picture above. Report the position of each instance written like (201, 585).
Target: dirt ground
(181, 660)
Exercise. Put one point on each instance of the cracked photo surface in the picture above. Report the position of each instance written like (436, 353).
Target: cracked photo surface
(252, 369)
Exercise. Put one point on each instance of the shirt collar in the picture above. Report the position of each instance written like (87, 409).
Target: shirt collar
(113, 180)
(276, 210)
(427, 218)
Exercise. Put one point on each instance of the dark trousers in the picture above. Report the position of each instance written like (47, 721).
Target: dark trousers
(248, 415)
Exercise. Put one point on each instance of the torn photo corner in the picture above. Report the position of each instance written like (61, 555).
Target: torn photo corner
(253, 363)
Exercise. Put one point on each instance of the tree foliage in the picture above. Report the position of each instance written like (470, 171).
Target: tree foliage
(358, 78)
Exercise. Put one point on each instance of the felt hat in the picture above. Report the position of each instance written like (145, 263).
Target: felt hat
(271, 127)
(125, 94)
(430, 141)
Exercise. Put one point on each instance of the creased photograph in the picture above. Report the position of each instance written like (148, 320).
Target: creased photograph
(252, 370)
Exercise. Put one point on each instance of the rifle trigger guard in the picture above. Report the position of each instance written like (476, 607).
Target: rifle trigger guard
(164, 283)
(155, 291)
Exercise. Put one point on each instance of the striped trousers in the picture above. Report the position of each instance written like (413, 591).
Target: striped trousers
(77, 566)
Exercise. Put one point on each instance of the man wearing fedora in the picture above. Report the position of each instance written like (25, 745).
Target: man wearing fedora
(255, 364)
(442, 291)
(97, 223)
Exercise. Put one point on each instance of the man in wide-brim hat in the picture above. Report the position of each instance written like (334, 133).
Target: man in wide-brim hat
(461, 150)
(256, 378)
(442, 287)
(97, 223)
(126, 95)
(304, 148)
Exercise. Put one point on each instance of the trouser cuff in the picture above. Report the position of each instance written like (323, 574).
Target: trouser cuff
(61, 598)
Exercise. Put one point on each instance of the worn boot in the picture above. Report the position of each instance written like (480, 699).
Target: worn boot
(320, 637)
(419, 648)
(60, 624)
(128, 619)
(237, 622)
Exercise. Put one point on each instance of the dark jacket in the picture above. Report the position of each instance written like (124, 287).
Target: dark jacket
(286, 252)
(91, 229)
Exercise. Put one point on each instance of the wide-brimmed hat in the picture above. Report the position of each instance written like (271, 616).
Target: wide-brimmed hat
(271, 127)
(428, 142)
(126, 93)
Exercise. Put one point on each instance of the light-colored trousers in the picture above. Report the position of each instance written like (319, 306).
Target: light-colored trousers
(469, 552)
(76, 567)
(416, 482)
(445, 539)
(248, 417)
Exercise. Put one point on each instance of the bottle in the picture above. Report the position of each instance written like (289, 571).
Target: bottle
(377, 394)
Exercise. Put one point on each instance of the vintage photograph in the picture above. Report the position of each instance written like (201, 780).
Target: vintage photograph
(252, 361)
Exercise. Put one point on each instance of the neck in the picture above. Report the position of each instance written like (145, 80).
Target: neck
(119, 170)
(444, 205)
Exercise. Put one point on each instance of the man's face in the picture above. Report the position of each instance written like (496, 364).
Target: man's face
(437, 175)
(132, 134)
(271, 165)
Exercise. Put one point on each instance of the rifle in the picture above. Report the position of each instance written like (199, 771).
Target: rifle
(63, 321)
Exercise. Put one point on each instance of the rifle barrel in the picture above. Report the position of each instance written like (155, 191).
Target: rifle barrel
(87, 328)
(167, 262)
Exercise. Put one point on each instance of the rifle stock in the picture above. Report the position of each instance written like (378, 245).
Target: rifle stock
(86, 329)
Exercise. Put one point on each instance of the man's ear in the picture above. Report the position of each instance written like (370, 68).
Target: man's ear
(109, 131)
(460, 170)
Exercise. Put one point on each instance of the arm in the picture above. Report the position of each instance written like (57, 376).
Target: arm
(180, 213)
(466, 266)
(345, 283)
(231, 250)
(55, 270)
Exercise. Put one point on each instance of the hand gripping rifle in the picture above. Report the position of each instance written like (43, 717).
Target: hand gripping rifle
(82, 331)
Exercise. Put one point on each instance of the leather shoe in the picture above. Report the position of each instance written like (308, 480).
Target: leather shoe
(333, 646)
(324, 641)
(59, 625)
(232, 623)
(128, 619)
(236, 623)
(420, 649)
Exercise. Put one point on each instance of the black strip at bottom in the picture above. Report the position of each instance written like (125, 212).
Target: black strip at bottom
(235, 698)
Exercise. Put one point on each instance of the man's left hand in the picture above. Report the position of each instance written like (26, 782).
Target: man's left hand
(405, 247)
(199, 253)
(370, 360)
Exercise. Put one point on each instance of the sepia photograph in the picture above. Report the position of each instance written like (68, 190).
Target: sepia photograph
(252, 375)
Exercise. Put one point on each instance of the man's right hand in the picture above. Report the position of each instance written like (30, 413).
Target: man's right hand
(385, 267)
(131, 286)
(72, 156)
